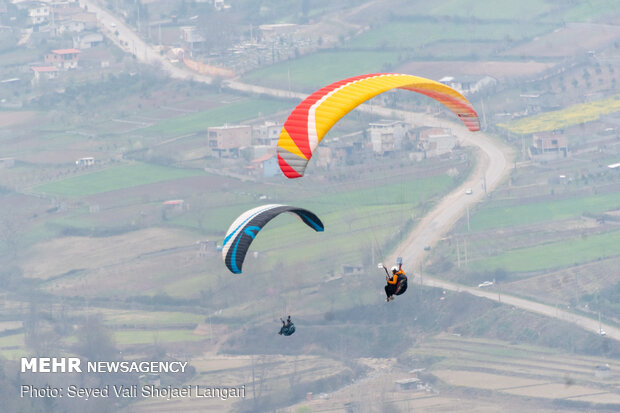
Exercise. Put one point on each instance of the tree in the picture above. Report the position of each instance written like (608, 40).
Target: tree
(94, 339)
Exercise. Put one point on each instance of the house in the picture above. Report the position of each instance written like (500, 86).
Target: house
(272, 32)
(436, 141)
(38, 13)
(73, 15)
(267, 133)
(266, 166)
(43, 72)
(322, 157)
(220, 5)
(192, 39)
(468, 85)
(351, 269)
(177, 205)
(408, 384)
(227, 140)
(387, 135)
(70, 26)
(63, 58)
(206, 246)
(549, 145)
(85, 162)
(87, 40)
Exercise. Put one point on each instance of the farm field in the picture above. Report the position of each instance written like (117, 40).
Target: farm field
(505, 9)
(565, 118)
(517, 213)
(231, 113)
(479, 376)
(308, 73)
(416, 35)
(113, 178)
(564, 253)
(500, 70)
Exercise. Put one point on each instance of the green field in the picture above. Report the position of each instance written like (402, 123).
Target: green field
(564, 253)
(320, 69)
(148, 318)
(589, 10)
(525, 10)
(113, 178)
(15, 340)
(532, 213)
(157, 336)
(399, 197)
(413, 35)
(235, 112)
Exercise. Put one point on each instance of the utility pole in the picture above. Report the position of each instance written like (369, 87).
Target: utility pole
(458, 253)
(465, 248)
(468, 227)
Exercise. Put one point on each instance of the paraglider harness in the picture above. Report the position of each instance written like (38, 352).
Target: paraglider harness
(401, 285)
(288, 328)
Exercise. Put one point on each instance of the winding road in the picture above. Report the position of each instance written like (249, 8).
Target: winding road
(493, 166)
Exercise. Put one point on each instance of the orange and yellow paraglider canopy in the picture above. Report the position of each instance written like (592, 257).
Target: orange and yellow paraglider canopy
(311, 119)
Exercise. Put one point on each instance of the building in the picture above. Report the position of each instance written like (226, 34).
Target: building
(387, 135)
(468, 85)
(266, 166)
(436, 141)
(549, 145)
(85, 162)
(177, 205)
(70, 26)
(272, 32)
(63, 58)
(227, 140)
(70, 15)
(43, 72)
(192, 39)
(38, 13)
(267, 134)
(408, 384)
(87, 40)
(351, 269)
(322, 157)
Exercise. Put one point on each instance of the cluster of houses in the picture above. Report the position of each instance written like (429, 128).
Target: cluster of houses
(382, 138)
(59, 19)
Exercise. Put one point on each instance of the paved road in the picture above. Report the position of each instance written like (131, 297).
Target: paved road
(492, 167)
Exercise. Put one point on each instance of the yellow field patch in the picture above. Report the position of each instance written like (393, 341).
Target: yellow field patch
(559, 119)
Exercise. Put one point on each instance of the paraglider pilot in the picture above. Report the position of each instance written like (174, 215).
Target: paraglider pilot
(396, 281)
(288, 327)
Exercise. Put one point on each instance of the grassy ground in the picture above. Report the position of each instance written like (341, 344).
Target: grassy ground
(502, 9)
(125, 176)
(313, 71)
(590, 10)
(125, 338)
(413, 35)
(235, 112)
(496, 216)
(563, 253)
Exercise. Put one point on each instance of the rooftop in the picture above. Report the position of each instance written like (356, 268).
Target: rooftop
(65, 51)
(42, 69)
